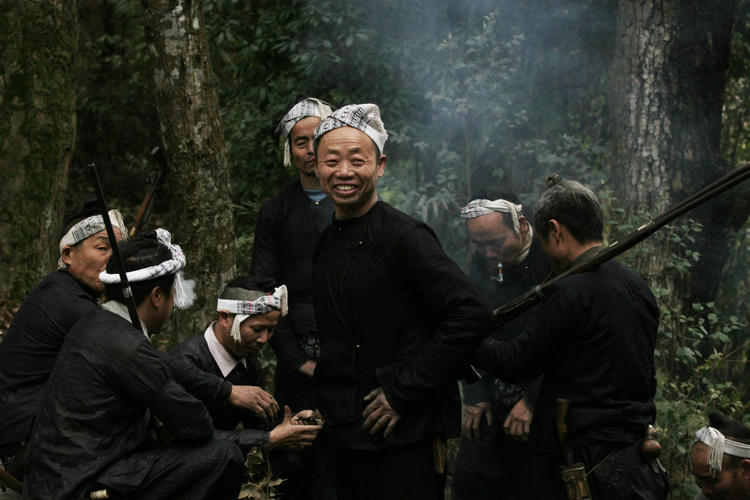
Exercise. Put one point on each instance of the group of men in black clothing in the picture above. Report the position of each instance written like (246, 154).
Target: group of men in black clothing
(372, 324)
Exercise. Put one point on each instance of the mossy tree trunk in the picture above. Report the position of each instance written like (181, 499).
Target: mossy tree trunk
(196, 153)
(38, 51)
(665, 101)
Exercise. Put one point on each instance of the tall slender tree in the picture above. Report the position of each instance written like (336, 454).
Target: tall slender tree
(666, 90)
(196, 153)
(38, 50)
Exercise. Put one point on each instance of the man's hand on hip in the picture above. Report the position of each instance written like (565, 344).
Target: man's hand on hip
(519, 421)
(379, 415)
(473, 418)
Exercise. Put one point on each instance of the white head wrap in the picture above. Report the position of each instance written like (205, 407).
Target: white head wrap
(87, 228)
(478, 208)
(303, 109)
(718, 445)
(256, 302)
(363, 117)
(172, 266)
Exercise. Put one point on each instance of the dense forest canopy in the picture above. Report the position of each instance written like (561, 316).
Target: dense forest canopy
(472, 93)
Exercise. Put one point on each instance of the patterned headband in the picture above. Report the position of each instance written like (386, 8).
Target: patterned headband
(363, 117)
(478, 208)
(171, 266)
(87, 228)
(257, 302)
(303, 109)
(718, 445)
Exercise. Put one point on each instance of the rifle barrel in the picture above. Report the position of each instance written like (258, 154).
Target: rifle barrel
(517, 306)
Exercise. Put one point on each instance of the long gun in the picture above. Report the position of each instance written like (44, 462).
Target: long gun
(127, 293)
(507, 312)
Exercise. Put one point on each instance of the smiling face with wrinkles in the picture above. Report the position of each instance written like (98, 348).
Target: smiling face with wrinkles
(348, 167)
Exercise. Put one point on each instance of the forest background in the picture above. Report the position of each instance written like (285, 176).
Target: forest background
(644, 100)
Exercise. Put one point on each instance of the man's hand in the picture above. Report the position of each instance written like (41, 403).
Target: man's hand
(291, 435)
(256, 400)
(519, 420)
(308, 368)
(473, 418)
(379, 414)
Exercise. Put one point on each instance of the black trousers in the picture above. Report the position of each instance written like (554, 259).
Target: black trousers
(211, 471)
(399, 472)
(616, 471)
(489, 467)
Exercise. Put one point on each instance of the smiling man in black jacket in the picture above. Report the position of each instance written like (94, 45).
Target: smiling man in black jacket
(398, 323)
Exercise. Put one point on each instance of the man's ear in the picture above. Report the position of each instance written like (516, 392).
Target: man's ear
(156, 296)
(381, 165)
(745, 469)
(225, 319)
(554, 230)
(65, 254)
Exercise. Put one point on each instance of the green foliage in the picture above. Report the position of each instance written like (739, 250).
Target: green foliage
(698, 353)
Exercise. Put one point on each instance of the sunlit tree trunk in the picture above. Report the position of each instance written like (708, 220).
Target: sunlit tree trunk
(194, 144)
(38, 49)
(665, 100)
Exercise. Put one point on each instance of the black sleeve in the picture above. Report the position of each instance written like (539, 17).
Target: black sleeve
(145, 377)
(522, 358)
(188, 370)
(448, 294)
(289, 354)
(265, 261)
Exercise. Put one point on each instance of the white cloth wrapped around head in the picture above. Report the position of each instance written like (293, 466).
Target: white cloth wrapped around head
(477, 208)
(87, 228)
(303, 109)
(718, 445)
(256, 302)
(171, 266)
(363, 117)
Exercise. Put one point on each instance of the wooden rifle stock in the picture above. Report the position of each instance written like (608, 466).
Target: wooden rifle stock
(507, 312)
(144, 213)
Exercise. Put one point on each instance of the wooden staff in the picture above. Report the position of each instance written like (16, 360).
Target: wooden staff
(507, 312)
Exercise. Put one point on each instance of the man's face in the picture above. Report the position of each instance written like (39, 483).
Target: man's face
(88, 258)
(255, 331)
(494, 240)
(725, 485)
(348, 169)
(301, 145)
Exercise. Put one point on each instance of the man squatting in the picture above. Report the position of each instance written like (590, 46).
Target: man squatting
(288, 225)
(249, 308)
(31, 344)
(507, 262)
(398, 322)
(593, 335)
(92, 426)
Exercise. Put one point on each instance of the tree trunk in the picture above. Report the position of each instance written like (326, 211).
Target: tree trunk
(194, 145)
(665, 101)
(38, 47)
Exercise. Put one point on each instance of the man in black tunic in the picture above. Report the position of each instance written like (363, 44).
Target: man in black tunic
(30, 346)
(508, 261)
(249, 310)
(593, 335)
(398, 322)
(92, 426)
(288, 225)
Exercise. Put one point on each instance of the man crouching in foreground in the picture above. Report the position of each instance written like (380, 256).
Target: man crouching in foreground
(249, 310)
(92, 427)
